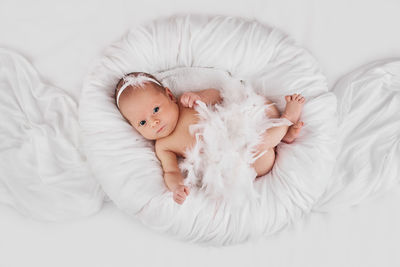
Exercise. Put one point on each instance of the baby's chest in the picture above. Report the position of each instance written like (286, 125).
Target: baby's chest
(182, 139)
(184, 142)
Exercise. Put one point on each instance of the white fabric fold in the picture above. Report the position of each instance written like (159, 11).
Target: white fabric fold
(44, 173)
(368, 163)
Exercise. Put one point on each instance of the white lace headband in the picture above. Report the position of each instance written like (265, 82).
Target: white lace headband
(134, 81)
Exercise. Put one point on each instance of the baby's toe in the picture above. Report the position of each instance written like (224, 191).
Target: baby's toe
(288, 98)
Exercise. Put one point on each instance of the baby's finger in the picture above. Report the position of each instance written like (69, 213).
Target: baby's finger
(185, 103)
(183, 98)
(186, 190)
(191, 100)
(195, 100)
(181, 194)
(178, 198)
(178, 201)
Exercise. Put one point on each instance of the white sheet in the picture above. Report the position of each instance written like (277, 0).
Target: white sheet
(369, 127)
(55, 37)
(44, 173)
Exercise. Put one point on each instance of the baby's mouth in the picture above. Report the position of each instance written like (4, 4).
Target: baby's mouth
(161, 128)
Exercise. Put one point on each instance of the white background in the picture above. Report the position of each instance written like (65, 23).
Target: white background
(62, 38)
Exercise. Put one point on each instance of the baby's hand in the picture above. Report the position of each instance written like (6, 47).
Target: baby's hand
(188, 99)
(180, 193)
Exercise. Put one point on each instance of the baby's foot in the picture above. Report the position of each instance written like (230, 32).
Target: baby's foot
(293, 132)
(294, 106)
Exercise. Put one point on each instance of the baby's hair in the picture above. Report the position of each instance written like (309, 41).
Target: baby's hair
(122, 81)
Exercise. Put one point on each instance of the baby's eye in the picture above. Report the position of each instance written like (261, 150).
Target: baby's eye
(142, 122)
(156, 109)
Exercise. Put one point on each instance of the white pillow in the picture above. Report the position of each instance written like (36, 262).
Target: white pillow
(176, 50)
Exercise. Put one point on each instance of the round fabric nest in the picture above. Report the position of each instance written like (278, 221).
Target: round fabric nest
(125, 163)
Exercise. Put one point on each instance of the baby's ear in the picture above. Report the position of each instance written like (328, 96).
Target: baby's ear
(170, 94)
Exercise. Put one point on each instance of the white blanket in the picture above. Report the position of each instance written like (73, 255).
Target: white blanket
(369, 140)
(43, 172)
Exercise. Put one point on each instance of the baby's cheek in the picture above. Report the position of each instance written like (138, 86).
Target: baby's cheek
(140, 132)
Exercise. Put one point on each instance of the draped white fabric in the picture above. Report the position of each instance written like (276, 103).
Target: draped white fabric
(44, 173)
(369, 126)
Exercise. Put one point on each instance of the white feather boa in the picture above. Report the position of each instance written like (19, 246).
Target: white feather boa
(227, 135)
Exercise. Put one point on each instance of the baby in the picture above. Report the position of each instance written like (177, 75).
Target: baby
(158, 115)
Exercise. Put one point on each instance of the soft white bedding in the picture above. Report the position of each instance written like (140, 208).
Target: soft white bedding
(44, 174)
(342, 36)
(369, 126)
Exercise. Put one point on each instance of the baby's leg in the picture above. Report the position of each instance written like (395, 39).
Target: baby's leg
(274, 135)
(272, 111)
(271, 138)
(264, 163)
(294, 130)
(292, 112)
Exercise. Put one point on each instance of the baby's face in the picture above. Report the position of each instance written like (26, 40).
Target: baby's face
(153, 114)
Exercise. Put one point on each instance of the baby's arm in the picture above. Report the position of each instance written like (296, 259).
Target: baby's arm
(172, 174)
(208, 96)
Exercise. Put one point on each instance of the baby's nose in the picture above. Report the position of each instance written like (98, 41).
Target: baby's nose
(155, 122)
